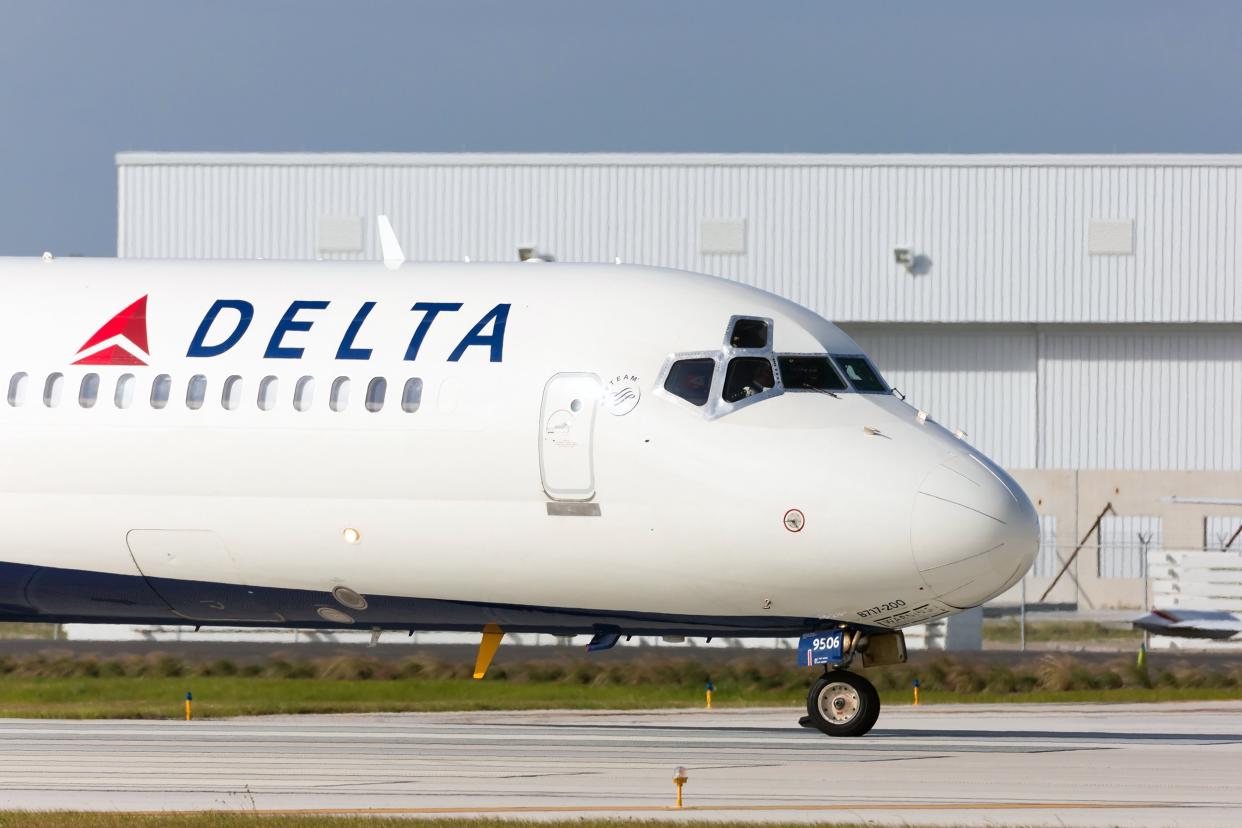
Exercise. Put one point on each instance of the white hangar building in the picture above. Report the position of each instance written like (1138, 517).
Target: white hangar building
(1079, 317)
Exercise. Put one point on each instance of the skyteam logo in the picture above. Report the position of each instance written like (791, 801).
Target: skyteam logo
(121, 341)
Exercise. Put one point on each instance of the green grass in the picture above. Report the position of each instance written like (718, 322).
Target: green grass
(46, 685)
(156, 698)
(1007, 631)
(216, 696)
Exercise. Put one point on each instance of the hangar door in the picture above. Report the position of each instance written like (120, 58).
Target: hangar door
(567, 433)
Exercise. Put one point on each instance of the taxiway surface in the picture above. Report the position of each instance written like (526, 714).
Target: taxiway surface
(1133, 765)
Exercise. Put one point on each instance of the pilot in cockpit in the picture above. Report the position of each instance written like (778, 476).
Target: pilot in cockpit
(748, 377)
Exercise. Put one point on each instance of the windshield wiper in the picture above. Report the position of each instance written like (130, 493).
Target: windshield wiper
(832, 394)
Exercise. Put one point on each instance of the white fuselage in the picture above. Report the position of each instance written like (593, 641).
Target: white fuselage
(546, 480)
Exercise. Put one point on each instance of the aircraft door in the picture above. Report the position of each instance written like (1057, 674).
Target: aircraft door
(567, 433)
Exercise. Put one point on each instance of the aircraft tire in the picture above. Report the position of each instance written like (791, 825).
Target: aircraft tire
(841, 703)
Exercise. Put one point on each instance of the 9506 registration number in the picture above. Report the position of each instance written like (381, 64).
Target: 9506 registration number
(820, 648)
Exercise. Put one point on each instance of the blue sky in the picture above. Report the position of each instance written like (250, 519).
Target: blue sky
(80, 81)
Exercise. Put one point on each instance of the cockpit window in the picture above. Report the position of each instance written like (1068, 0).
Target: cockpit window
(746, 377)
(691, 379)
(749, 333)
(861, 374)
(813, 373)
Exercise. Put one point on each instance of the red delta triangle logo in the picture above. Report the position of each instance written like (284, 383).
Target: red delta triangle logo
(123, 339)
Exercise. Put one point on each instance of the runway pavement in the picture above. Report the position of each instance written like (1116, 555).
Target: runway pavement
(1132, 765)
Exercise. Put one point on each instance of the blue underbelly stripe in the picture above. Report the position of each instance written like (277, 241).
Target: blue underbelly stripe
(52, 594)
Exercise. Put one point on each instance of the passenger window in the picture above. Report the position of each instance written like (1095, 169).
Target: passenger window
(376, 391)
(88, 391)
(268, 387)
(747, 377)
(412, 395)
(123, 397)
(17, 388)
(339, 397)
(861, 374)
(304, 394)
(231, 395)
(691, 379)
(810, 372)
(196, 392)
(161, 387)
(52, 389)
(749, 333)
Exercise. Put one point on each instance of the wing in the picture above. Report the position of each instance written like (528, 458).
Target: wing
(1191, 624)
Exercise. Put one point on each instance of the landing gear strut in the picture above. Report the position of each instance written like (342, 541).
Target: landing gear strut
(841, 703)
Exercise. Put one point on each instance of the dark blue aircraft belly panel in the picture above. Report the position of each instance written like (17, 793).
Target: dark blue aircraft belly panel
(29, 593)
(111, 598)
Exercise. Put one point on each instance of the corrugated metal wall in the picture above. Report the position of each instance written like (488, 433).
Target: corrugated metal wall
(1141, 397)
(1125, 542)
(979, 378)
(1075, 396)
(1047, 562)
(1219, 530)
(1004, 239)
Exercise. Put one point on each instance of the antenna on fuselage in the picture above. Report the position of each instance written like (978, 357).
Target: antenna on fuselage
(389, 246)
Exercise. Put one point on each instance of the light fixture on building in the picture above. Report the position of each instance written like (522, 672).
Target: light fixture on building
(530, 253)
(904, 256)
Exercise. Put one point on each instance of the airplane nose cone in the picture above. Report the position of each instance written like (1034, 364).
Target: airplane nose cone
(974, 532)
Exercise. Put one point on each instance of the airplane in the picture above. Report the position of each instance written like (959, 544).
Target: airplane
(1216, 625)
(577, 449)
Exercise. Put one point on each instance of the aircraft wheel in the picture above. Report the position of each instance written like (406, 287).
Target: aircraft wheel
(841, 703)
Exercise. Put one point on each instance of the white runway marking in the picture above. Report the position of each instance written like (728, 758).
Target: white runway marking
(1088, 765)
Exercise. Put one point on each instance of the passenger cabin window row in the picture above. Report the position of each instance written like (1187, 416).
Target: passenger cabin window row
(752, 370)
(232, 392)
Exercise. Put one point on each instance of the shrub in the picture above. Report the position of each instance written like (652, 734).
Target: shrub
(163, 665)
(1001, 680)
(219, 667)
(1054, 674)
(545, 672)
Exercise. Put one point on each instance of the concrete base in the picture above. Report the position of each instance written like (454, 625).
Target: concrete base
(1077, 498)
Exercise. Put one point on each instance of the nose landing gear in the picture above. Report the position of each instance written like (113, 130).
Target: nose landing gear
(841, 703)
